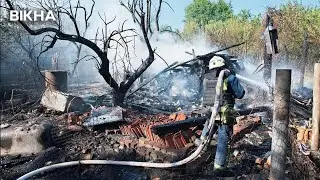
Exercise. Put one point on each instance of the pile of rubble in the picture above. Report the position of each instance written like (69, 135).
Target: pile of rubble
(87, 128)
(170, 91)
(142, 127)
(101, 133)
(301, 103)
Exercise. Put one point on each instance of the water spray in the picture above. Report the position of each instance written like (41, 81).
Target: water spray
(262, 85)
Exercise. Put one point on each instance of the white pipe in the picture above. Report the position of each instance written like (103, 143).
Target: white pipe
(205, 136)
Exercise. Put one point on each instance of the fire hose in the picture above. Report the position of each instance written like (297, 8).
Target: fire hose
(206, 135)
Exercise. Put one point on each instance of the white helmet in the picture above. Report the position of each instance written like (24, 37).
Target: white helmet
(216, 62)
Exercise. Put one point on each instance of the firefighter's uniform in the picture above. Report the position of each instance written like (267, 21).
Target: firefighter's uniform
(231, 89)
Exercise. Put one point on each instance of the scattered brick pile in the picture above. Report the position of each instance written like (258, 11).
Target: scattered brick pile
(245, 125)
(141, 128)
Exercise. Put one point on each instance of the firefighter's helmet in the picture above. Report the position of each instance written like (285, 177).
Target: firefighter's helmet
(216, 62)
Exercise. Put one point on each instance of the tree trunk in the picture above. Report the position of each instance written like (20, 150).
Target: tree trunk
(118, 97)
(286, 54)
(305, 48)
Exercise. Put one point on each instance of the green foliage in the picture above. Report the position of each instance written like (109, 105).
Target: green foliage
(203, 11)
(190, 28)
(235, 30)
(292, 20)
(244, 15)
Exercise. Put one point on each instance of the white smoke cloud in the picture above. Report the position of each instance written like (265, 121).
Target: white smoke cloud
(166, 44)
(251, 65)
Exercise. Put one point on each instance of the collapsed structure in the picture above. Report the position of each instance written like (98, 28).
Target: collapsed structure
(167, 129)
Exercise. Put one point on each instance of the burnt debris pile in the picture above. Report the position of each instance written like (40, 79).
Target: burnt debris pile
(170, 91)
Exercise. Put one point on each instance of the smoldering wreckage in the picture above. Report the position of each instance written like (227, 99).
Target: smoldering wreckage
(152, 136)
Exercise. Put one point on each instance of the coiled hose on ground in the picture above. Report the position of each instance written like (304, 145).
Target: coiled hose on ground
(206, 135)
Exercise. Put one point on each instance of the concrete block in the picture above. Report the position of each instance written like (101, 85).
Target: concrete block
(25, 140)
(63, 102)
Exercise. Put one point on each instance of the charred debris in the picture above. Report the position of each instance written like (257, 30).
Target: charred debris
(160, 121)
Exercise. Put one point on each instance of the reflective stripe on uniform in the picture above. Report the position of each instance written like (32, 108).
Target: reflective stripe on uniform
(226, 111)
(227, 115)
(225, 85)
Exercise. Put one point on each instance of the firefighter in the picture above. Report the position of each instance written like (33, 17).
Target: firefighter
(231, 89)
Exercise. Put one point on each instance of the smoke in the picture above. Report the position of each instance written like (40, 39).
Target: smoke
(295, 74)
(278, 63)
(172, 49)
(167, 45)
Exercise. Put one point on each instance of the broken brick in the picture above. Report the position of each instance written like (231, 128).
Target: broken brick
(181, 116)
(245, 126)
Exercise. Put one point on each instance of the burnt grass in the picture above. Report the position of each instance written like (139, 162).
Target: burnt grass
(73, 146)
(72, 149)
(95, 144)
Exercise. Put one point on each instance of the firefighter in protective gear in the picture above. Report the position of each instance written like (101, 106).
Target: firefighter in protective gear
(231, 89)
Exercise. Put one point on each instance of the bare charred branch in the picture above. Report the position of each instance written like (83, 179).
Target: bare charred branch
(168, 5)
(148, 18)
(149, 60)
(132, 9)
(53, 42)
(104, 66)
(158, 16)
(162, 58)
(97, 33)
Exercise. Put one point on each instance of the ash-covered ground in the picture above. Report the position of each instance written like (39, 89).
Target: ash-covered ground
(248, 157)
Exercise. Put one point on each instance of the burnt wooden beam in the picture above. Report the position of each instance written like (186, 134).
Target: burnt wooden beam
(176, 126)
(243, 112)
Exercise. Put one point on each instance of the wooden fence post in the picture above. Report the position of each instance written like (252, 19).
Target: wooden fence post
(316, 109)
(280, 124)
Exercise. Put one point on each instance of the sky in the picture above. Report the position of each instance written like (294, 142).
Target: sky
(175, 19)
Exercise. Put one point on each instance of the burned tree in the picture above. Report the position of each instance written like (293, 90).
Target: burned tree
(100, 46)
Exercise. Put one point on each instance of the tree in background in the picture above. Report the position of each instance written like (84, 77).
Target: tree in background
(298, 28)
(244, 15)
(203, 11)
